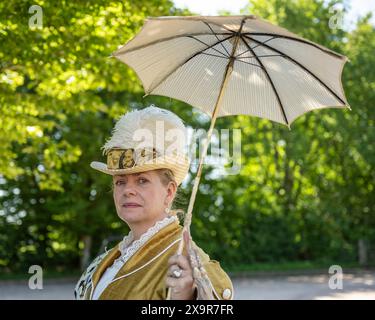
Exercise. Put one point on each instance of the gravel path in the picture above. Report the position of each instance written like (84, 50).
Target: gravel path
(290, 287)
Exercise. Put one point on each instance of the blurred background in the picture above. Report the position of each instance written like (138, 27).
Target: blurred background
(303, 200)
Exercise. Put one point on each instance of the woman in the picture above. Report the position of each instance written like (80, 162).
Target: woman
(148, 165)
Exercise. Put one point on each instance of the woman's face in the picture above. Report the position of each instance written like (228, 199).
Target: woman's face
(141, 197)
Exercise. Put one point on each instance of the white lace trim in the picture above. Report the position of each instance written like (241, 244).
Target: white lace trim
(127, 248)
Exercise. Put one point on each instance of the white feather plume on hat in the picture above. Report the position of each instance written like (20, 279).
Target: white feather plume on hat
(128, 124)
(124, 136)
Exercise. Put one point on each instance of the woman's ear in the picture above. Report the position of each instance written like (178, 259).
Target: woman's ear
(171, 191)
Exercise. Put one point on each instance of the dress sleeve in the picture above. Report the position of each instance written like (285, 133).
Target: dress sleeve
(221, 284)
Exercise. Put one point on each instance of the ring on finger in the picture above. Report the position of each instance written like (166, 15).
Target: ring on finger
(177, 273)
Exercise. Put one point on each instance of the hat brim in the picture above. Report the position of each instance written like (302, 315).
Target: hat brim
(179, 165)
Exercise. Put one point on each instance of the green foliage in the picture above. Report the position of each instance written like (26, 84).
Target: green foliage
(305, 193)
(59, 95)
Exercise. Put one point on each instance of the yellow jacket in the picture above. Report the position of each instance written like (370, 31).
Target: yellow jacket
(143, 276)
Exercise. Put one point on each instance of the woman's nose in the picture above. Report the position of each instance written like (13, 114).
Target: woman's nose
(129, 189)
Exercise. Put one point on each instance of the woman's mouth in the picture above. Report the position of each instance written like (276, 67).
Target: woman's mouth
(131, 205)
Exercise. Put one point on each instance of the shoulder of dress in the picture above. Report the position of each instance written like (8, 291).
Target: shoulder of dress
(85, 281)
(221, 284)
(202, 254)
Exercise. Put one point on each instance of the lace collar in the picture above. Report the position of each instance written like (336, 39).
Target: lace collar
(127, 248)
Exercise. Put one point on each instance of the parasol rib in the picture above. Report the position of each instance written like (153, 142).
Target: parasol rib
(270, 80)
(294, 39)
(213, 32)
(117, 54)
(214, 55)
(237, 56)
(186, 61)
(226, 56)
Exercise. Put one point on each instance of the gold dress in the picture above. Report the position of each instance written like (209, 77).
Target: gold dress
(142, 276)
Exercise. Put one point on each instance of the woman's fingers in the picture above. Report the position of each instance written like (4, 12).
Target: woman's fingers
(180, 261)
(183, 260)
(184, 282)
(173, 268)
(180, 273)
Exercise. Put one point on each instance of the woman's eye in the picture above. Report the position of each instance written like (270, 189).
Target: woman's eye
(119, 183)
(142, 180)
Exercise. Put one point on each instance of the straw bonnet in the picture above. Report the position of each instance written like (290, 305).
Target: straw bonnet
(147, 139)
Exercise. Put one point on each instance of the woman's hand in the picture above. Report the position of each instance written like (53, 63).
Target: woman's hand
(180, 275)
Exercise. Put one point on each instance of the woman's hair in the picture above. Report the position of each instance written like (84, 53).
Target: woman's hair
(166, 176)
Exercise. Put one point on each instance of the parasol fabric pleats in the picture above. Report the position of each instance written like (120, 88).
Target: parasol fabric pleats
(197, 82)
(324, 66)
(153, 65)
(155, 30)
(249, 90)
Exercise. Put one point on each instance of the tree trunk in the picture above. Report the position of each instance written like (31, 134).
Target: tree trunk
(362, 252)
(85, 259)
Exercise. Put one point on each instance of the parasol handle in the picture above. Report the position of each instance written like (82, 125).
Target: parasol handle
(187, 220)
(179, 251)
(188, 215)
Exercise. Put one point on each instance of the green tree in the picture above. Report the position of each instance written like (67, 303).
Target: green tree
(59, 95)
